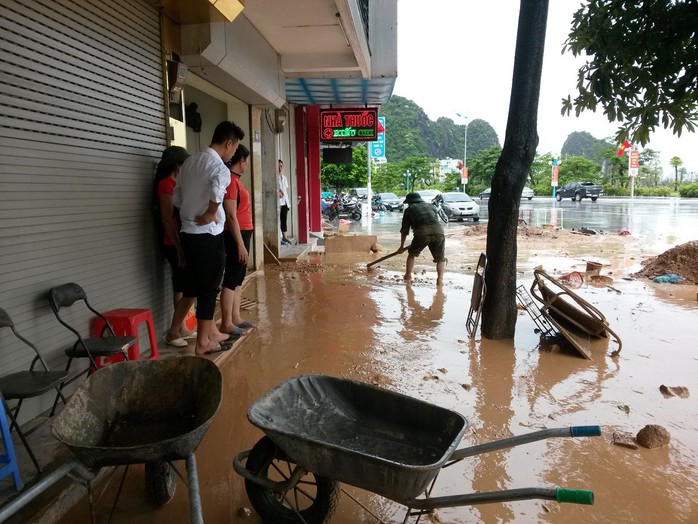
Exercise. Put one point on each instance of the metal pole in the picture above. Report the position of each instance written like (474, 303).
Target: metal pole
(369, 195)
(29, 494)
(195, 511)
(465, 151)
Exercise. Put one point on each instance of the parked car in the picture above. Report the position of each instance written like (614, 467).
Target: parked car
(428, 195)
(459, 206)
(359, 192)
(392, 202)
(526, 193)
(578, 190)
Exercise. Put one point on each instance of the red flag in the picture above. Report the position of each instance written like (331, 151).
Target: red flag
(625, 146)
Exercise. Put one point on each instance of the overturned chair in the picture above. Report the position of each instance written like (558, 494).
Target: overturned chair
(572, 316)
(477, 297)
(21, 385)
(65, 296)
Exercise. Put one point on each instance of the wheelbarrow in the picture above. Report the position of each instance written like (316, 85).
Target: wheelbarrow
(150, 412)
(322, 430)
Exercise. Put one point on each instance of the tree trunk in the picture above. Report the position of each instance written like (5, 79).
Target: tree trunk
(513, 166)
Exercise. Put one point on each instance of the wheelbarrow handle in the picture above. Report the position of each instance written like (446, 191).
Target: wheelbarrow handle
(575, 496)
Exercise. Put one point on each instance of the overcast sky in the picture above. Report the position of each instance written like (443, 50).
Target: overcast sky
(457, 56)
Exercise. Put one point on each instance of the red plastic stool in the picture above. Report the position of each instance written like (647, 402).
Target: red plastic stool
(125, 322)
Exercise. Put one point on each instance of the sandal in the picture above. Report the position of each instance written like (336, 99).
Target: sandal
(176, 343)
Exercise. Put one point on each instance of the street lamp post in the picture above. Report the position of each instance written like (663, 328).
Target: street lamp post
(465, 150)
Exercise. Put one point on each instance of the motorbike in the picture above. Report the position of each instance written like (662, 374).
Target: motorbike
(377, 204)
(438, 205)
(341, 208)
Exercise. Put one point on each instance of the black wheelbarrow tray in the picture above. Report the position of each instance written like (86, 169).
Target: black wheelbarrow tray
(143, 412)
(340, 430)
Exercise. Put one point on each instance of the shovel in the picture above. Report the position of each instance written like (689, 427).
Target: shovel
(386, 257)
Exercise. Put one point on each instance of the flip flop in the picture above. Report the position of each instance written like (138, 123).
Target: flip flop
(177, 343)
(246, 324)
(235, 333)
(220, 348)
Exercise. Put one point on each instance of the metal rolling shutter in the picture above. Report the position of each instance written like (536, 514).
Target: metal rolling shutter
(81, 126)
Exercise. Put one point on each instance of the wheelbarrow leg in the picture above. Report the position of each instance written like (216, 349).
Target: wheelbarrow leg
(193, 484)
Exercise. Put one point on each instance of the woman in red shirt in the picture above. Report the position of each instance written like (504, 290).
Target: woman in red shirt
(237, 236)
(165, 180)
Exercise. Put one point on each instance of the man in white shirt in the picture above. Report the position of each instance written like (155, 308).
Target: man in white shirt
(284, 202)
(199, 192)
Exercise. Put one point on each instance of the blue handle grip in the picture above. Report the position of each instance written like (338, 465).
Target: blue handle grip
(585, 431)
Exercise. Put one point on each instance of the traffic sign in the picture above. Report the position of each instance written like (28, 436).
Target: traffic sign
(378, 145)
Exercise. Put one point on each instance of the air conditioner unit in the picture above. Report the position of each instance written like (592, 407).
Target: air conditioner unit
(280, 117)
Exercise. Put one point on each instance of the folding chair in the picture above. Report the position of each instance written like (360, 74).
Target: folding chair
(27, 384)
(477, 297)
(67, 295)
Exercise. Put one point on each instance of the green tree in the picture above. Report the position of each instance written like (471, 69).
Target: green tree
(481, 166)
(614, 168)
(541, 172)
(676, 163)
(578, 168)
(343, 176)
(650, 169)
(642, 67)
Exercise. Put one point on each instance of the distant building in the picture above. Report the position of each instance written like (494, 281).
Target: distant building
(446, 166)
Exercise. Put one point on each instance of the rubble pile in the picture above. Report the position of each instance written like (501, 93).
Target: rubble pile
(681, 260)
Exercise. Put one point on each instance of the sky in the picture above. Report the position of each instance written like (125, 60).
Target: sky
(457, 56)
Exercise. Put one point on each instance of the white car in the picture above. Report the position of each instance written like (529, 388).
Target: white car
(526, 193)
(428, 195)
(459, 206)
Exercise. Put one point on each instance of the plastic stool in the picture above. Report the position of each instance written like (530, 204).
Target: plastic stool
(8, 461)
(125, 322)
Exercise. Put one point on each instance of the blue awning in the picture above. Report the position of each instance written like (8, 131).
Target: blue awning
(325, 91)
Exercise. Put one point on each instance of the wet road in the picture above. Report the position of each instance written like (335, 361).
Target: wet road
(663, 221)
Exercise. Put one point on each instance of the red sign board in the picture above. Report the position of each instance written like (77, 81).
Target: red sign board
(556, 172)
(341, 125)
(634, 162)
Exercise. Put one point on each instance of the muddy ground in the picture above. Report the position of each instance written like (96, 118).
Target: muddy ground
(336, 318)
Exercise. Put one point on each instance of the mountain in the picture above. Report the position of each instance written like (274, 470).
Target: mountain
(410, 133)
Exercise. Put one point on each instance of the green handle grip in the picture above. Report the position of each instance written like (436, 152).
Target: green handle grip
(575, 496)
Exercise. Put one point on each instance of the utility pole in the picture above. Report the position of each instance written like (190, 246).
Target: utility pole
(464, 177)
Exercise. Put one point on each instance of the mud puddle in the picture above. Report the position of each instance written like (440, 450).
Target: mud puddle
(343, 321)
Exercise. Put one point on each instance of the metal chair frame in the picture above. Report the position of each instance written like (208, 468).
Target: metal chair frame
(65, 296)
(477, 297)
(32, 383)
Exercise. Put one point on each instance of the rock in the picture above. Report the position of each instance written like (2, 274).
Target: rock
(670, 391)
(653, 436)
(625, 441)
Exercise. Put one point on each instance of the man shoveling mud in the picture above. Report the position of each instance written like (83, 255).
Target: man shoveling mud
(427, 231)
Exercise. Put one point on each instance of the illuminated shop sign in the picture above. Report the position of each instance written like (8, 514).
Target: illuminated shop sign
(348, 124)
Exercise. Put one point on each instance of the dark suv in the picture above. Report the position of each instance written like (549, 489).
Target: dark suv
(578, 190)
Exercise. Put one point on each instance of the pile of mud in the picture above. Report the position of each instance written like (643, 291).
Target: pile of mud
(524, 231)
(680, 260)
(297, 267)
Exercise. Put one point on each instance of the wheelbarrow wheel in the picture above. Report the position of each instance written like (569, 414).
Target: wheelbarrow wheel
(313, 499)
(160, 482)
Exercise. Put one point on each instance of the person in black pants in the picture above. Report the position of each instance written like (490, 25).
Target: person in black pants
(284, 202)
(201, 186)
